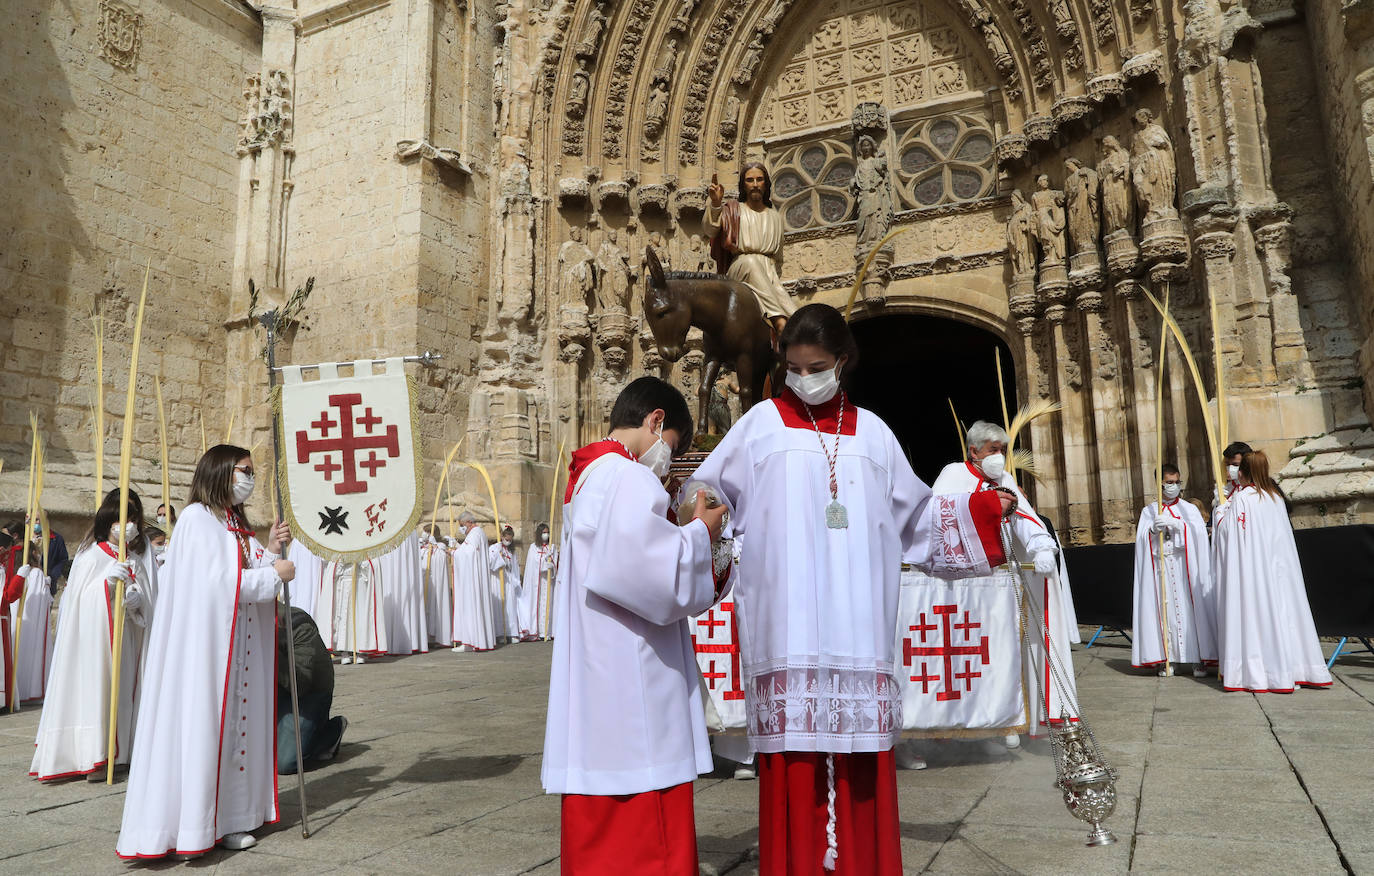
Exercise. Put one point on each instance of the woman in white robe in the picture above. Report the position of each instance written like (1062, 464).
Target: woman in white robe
(438, 571)
(540, 560)
(474, 628)
(33, 655)
(829, 506)
(204, 769)
(1267, 638)
(404, 596)
(340, 595)
(72, 731)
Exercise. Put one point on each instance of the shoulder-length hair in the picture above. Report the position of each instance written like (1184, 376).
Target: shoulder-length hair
(1254, 467)
(767, 182)
(213, 483)
(107, 518)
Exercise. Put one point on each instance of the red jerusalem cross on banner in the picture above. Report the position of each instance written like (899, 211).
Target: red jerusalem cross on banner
(350, 459)
(715, 638)
(948, 652)
(347, 443)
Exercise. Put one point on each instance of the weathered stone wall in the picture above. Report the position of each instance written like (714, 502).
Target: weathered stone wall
(119, 149)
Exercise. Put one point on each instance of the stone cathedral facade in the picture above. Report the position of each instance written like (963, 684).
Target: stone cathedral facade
(482, 179)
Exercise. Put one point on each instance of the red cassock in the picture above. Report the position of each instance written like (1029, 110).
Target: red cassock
(794, 810)
(14, 586)
(632, 835)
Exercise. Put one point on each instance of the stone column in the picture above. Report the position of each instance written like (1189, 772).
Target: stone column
(1047, 491)
(1139, 371)
(1273, 235)
(1112, 447)
(1076, 442)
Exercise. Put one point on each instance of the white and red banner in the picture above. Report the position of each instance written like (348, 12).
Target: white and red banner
(715, 638)
(350, 457)
(958, 656)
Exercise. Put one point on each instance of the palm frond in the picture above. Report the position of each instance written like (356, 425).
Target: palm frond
(1023, 460)
(1032, 411)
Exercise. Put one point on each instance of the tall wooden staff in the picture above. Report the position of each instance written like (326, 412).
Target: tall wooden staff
(1159, 487)
(162, 440)
(271, 321)
(553, 499)
(126, 453)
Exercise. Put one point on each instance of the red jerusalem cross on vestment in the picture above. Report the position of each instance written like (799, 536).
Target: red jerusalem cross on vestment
(947, 651)
(713, 646)
(347, 443)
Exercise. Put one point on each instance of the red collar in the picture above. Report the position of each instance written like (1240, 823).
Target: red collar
(794, 413)
(984, 482)
(585, 456)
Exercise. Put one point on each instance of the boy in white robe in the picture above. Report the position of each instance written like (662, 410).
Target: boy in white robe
(626, 733)
(534, 588)
(1187, 597)
(72, 731)
(474, 627)
(1266, 636)
(504, 578)
(203, 770)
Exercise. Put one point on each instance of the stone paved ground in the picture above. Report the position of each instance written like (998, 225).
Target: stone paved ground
(440, 774)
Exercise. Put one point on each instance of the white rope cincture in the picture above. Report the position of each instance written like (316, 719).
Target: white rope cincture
(832, 851)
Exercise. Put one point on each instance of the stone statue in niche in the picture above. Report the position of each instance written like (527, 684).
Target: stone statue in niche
(667, 61)
(1048, 208)
(729, 128)
(1049, 221)
(656, 111)
(683, 17)
(590, 43)
(872, 191)
(613, 275)
(1154, 174)
(656, 245)
(577, 92)
(1084, 220)
(769, 22)
(576, 269)
(753, 54)
(1063, 18)
(1021, 236)
(1118, 207)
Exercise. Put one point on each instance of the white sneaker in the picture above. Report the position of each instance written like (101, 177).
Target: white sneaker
(345, 661)
(908, 759)
(1013, 741)
(457, 649)
(237, 842)
(359, 660)
(1199, 671)
(745, 772)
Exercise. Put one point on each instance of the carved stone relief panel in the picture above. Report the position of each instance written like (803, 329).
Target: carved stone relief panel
(893, 52)
(121, 34)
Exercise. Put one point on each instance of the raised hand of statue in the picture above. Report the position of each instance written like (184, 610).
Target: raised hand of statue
(716, 191)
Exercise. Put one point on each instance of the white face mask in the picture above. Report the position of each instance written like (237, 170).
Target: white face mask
(506, 542)
(543, 538)
(994, 465)
(817, 388)
(130, 532)
(658, 457)
(162, 520)
(1171, 491)
(1233, 472)
(159, 550)
(243, 487)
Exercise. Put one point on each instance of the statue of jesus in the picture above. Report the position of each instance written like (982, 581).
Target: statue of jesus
(747, 241)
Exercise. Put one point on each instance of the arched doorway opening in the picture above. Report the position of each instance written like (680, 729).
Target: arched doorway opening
(910, 365)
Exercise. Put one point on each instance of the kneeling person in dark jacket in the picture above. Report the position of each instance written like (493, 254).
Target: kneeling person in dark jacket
(320, 734)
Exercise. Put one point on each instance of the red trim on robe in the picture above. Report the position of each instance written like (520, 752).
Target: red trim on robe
(794, 413)
(585, 456)
(649, 833)
(986, 510)
(793, 813)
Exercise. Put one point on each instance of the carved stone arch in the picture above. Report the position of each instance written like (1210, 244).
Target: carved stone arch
(996, 323)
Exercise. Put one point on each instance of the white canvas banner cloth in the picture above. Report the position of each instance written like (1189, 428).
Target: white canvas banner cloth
(715, 638)
(349, 458)
(959, 655)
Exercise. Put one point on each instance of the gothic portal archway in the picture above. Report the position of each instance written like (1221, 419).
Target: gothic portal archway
(910, 365)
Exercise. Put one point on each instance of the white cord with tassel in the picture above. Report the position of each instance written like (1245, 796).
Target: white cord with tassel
(832, 851)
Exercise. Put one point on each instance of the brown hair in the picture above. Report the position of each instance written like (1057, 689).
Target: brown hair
(213, 483)
(1254, 467)
(767, 181)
